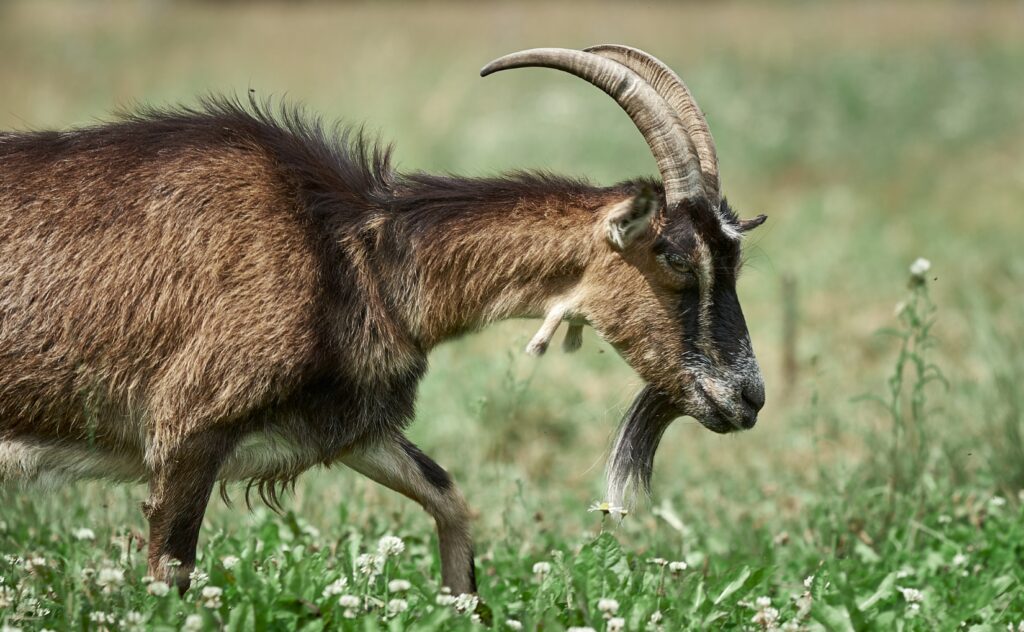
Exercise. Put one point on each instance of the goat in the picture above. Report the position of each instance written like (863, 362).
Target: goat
(233, 292)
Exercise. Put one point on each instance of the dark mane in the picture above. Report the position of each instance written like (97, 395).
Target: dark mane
(422, 194)
(332, 164)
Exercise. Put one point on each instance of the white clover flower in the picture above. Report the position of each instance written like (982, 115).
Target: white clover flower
(920, 267)
(369, 564)
(349, 601)
(607, 606)
(911, 595)
(513, 624)
(193, 623)
(33, 563)
(102, 617)
(997, 501)
(616, 624)
(398, 585)
(211, 597)
(109, 578)
(808, 581)
(198, 577)
(349, 613)
(133, 620)
(444, 599)
(763, 602)
(158, 589)
(390, 545)
(229, 561)
(83, 533)
(466, 603)
(659, 561)
(766, 617)
(677, 567)
(396, 606)
(656, 617)
(30, 606)
(336, 587)
(7, 596)
(959, 560)
(541, 568)
(804, 603)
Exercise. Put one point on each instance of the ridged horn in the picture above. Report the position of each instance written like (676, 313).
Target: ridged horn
(671, 88)
(677, 158)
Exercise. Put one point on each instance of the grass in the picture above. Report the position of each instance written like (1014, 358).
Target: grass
(871, 134)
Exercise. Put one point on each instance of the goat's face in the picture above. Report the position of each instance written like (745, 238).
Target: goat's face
(663, 292)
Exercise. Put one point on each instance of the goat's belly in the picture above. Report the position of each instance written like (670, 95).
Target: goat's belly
(33, 461)
(268, 456)
(50, 464)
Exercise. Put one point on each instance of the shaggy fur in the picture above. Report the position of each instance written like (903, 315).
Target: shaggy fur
(235, 294)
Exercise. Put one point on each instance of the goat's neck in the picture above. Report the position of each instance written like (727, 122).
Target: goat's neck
(521, 259)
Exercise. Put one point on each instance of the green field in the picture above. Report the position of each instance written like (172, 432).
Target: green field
(870, 134)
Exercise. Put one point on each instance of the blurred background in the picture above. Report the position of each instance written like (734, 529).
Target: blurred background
(870, 133)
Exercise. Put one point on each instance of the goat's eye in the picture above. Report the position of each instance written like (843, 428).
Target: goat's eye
(678, 264)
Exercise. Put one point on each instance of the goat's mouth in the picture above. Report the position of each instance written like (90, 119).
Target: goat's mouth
(719, 423)
(715, 416)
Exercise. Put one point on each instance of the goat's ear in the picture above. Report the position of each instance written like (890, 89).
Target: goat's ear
(752, 223)
(631, 218)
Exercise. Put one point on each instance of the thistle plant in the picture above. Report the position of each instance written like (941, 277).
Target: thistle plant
(905, 398)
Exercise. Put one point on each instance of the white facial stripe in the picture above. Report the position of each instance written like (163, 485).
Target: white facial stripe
(705, 269)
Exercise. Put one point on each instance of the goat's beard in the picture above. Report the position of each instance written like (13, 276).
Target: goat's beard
(632, 456)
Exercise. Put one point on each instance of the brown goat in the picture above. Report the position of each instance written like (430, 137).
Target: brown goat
(227, 293)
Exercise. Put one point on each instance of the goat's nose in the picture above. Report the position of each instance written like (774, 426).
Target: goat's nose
(753, 396)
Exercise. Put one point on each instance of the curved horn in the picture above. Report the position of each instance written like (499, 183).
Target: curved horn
(677, 159)
(671, 88)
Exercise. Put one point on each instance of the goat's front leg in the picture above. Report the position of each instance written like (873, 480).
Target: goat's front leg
(180, 487)
(399, 465)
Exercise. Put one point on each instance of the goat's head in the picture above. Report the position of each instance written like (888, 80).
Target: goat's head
(662, 288)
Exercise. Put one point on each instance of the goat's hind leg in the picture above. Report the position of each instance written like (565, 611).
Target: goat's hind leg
(180, 488)
(399, 465)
